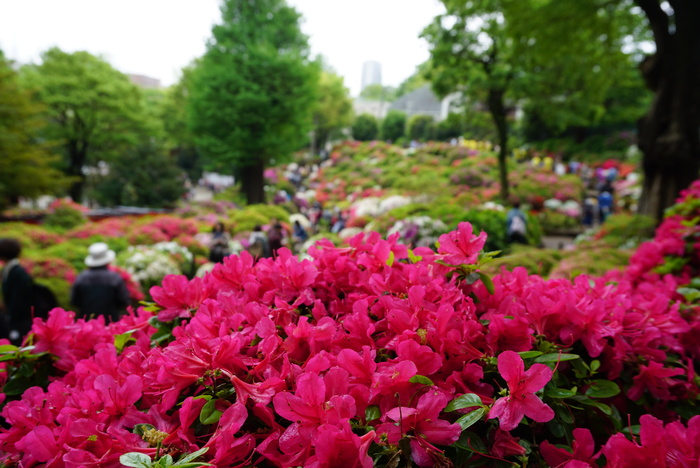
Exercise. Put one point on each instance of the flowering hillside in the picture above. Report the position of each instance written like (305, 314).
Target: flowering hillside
(375, 355)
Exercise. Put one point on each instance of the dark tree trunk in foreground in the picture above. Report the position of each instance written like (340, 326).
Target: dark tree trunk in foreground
(669, 135)
(497, 108)
(253, 182)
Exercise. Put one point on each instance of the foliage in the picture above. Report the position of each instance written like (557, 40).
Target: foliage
(27, 165)
(179, 138)
(142, 176)
(377, 92)
(93, 109)
(253, 91)
(333, 110)
(626, 231)
(65, 215)
(416, 81)
(536, 261)
(393, 125)
(244, 220)
(365, 128)
(451, 127)
(421, 128)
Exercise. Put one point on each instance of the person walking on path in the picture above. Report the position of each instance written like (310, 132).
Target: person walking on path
(516, 225)
(16, 293)
(98, 290)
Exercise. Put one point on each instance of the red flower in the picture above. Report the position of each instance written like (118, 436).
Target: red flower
(461, 246)
(522, 385)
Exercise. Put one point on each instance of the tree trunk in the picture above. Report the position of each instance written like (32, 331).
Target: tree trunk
(669, 135)
(77, 155)
(497, 109)
(253, 182)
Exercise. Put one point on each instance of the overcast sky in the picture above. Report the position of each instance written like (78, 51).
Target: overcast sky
(158, 37)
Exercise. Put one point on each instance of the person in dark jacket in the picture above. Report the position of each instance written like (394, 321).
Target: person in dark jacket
(16, 293)
(98, 290)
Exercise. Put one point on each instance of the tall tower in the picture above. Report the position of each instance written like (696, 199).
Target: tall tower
(371, 73)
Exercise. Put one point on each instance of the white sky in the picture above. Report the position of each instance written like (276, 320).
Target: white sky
(158, 37)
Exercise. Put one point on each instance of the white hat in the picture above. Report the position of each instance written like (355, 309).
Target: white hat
(99, 255)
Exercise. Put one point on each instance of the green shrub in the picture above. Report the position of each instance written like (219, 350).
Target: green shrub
(421, 128)
(65, 217)
(365, 128)
(394, 126)
(535, 261)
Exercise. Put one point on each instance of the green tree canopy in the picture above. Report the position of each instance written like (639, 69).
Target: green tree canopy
(254, 90)
(142, 176)
(394, 125)
(377, 92)
(365, 128)
(179, 139)
(94, 110)
(500, 52)
(333, 110)
(26, 161)
(415, 81)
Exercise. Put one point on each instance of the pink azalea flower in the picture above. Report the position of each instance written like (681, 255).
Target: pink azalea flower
(583, 450)
(461, 246)
(656, 379)
(423, 425)
(522, 385)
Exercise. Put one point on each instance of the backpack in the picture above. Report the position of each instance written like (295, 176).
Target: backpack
(43, 300)
(517, 225)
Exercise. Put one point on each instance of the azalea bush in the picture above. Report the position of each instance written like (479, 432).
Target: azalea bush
(375, 354)
(148, 265)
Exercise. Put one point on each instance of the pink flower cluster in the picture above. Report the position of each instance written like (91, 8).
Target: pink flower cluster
(362, 354)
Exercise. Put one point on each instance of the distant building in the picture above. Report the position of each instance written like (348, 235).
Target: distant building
(145, 81)
(371, 74)
(375, 108)
(423, 101)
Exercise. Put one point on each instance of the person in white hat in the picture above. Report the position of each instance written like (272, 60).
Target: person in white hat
(98, 290)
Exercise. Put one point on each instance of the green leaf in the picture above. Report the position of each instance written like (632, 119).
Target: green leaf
(556, 357)
(559, 393)
(602, 389)
(17, 386)
(421, 379)
(488, 283)
(468, 400)
(472, 278)
(690, 294)
(8, 349)
(471, 418)
(413, 257)
(121, 340)
(372, 412)
(166, 460)
(529, 354)
(135, 460)
(595, 365)
(390, 260)
(191, 456)
(209, 413)
(141, 429)
(596, 404)
(471, 442)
